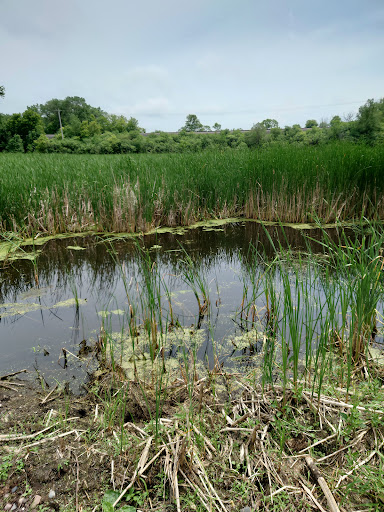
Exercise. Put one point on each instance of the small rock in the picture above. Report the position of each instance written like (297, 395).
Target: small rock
(35, 502)
(8, 506)
(246, 509)
(51, 494)
(6, 495)
(22, 500)
(14, 507)
(14, 489)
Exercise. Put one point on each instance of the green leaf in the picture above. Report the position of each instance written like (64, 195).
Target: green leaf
(109, 499)
(127, 508)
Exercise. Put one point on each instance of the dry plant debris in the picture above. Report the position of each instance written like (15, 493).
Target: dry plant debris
(217, 443)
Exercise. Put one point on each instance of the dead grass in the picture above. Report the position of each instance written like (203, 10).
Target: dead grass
(239, 445)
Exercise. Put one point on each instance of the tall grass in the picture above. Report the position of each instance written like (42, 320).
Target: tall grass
(61, 193)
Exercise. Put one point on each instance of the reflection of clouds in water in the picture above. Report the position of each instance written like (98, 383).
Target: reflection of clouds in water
(111, 278)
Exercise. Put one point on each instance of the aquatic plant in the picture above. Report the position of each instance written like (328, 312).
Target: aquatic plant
(67, 193)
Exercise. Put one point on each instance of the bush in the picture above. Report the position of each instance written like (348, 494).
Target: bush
(15, 145)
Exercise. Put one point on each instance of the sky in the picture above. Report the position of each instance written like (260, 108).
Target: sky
(234, 63)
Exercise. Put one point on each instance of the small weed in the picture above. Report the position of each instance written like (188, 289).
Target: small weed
(9, 466)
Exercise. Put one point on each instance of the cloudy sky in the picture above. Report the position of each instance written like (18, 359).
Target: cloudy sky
(235, 63)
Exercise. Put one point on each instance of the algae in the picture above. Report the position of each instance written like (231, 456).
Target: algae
(22, 308)
(132, 352)
(248, 339)
(69, 302)
(105, 313)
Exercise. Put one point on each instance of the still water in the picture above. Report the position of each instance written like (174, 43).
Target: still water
(89, 284)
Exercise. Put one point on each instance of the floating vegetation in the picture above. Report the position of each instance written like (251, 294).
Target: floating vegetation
(132, 351)
(106, 314)
(22, 308)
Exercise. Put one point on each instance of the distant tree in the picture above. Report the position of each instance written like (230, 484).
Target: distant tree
(256, 136)
(70, 107)
(2, 91)
(370, 120)
(192, 124)
(294, 134)
(276, 134)
(350, 116)
(28, 126)
(311, 123)
(122, 124)
(269, 124)
(15, 144)
(216, 127)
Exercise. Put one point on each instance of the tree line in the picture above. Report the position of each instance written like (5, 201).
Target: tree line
(87, 129)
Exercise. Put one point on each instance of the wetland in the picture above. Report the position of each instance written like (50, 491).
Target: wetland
(220, 367)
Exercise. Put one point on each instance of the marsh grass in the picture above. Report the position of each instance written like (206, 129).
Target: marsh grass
(73, 193)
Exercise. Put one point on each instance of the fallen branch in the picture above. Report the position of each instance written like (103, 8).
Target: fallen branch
(323, 484)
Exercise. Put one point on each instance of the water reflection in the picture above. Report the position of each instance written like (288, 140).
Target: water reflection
(108, 277)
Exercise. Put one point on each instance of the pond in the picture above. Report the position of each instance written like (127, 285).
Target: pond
(204, 285)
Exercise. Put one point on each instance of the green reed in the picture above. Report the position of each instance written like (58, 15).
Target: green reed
(58, 193)
(317, 311)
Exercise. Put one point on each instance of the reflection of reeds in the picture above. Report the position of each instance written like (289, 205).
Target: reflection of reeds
(318, 316)
(62, 193)
(195, 278)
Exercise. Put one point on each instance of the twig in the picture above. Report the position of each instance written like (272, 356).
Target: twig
(197, 489)
(49, 394)
(12, 374)
(22, 437)
(323, 484)
(47, 439)
(358, 438)
(138, 471)
(77, 483)
(318, 442)
(206, 440)
(142, 432)
(308, 491)
(7, 386)
(359, 465)
(328, 401)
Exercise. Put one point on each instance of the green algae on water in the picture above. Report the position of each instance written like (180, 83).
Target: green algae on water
(22, 308)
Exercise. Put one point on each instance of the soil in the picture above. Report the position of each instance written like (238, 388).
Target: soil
(219, 440)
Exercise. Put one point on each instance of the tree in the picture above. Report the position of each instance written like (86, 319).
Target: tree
(192, 124)
(311, 123)
(15, 145)
(269, 124)
(256, 136)
(27, 125)
(70, 107)
(370, 120)
(217, 127)
(2, 91)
